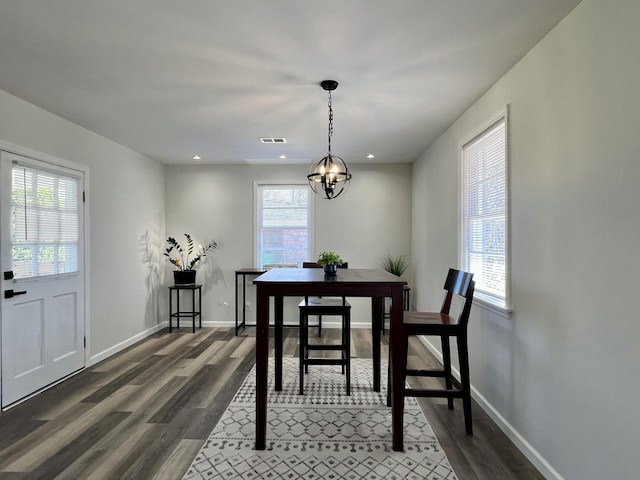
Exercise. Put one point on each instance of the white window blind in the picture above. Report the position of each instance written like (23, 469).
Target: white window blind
(45, 222)
(284, 225)
(485, 212)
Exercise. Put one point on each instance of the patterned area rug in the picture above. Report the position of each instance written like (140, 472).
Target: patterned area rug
(323, 434)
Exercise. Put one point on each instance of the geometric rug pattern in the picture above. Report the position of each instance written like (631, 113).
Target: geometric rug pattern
(323, 434)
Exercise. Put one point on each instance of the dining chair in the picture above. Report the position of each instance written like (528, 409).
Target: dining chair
(461, 285)
(319, 306)
(316, 300)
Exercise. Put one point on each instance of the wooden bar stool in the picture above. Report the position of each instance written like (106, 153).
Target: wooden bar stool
(311, 306)
(441, 324)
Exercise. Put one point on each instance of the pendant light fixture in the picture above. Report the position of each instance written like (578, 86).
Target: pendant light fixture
(329, 176)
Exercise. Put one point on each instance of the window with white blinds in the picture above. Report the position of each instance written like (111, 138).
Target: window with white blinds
(485, 206)
(284, 222)
(45, 222)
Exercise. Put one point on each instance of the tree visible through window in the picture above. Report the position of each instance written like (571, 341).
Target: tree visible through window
(485, 212)
(284, 225)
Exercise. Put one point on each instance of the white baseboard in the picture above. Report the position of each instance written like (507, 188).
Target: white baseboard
(98, 357)
(219, 324)
(543, 466)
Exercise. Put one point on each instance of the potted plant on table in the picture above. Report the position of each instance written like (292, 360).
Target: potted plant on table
(330, 262)
(181, 258)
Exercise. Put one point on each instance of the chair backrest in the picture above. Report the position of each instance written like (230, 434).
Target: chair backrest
(315, 265)
(461, 284)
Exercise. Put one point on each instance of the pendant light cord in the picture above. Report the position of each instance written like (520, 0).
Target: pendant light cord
(330, 124)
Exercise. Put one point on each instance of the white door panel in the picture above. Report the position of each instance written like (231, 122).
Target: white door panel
(42, 325)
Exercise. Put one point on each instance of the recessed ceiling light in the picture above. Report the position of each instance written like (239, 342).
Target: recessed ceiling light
(197, 157)
(371, 155)
(282, 157)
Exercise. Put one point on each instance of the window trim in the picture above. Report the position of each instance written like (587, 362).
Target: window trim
(487, 301)
(256, 209)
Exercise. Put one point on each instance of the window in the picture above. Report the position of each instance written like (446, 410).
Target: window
(485, 202)
(45, 222)
(284, 219)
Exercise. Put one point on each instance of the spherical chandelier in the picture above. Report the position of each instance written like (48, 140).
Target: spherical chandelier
(329, 177)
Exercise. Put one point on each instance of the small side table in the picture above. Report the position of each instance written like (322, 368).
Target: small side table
(193, 313)
(243, 273)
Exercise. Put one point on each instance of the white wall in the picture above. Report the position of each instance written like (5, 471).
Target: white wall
(126, 213)
(563, 370)
(372, 218)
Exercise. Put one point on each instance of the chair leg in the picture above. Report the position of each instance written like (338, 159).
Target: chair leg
(346, 328)
(389, 377)
(446, 360)
(306, 343)
(343, 342)
(302, 347)
(463, 355)
(319, 325)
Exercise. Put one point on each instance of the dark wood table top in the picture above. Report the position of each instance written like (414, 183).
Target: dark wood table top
(250, 271)
(358, 276)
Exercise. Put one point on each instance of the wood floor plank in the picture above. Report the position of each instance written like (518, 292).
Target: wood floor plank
(43, 446)
(143, 458)
(124, 379)
(68, 454)
(188, 395)
(202, 345)
(183, 454)
(32, 441)
(17, 429)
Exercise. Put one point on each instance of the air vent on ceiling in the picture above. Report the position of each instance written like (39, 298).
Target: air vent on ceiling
(273, 140)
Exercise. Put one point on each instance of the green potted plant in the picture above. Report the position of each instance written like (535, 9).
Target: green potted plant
(182, 259)
(396, 264)
(330, 262)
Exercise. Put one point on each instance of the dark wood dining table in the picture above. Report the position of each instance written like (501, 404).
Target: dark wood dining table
(284, 282)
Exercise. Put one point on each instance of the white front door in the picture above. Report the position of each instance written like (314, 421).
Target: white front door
(41, 274)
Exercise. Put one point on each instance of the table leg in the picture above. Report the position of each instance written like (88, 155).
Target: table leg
(376, 318)
(236, 304)
(244, 301)
(262, 363)
(200, 306)
(178, 311)
(397, 355)
(279, 323)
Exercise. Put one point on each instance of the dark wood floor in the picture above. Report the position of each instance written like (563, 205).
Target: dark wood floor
(144, 413)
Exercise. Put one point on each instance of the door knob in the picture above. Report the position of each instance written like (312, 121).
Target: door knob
(11, 293)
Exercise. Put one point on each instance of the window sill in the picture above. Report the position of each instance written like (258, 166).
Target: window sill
(488, 304)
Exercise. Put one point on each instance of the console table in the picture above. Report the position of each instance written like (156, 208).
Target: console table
(243, 273)
(193, 313)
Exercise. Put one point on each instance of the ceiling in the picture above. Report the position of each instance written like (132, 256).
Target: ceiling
(172, 79)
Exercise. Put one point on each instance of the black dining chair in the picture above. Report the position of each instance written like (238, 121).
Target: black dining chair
(457, 284)
(319, 306)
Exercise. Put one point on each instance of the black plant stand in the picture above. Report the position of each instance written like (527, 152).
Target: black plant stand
(242, 274)
(193, 313)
